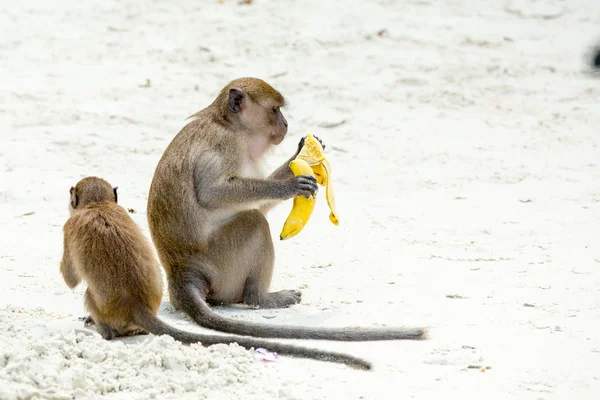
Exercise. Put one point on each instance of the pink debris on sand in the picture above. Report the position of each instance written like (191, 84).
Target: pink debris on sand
(266, 355)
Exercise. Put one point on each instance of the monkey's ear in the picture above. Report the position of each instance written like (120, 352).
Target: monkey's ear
(236, 98)
(115, 192)
(74, 199)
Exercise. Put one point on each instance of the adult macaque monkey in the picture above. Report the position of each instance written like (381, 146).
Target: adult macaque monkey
(105, 247)
(206, 213)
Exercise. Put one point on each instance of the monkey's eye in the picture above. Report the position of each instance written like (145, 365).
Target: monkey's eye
(275, 109)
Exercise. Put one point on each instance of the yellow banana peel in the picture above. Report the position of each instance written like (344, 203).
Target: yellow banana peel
(302, 208)
(320, 173)
(312, 153)
(310, 161)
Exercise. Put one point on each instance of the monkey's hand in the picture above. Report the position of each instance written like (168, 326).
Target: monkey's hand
(312, 153)
(304, 185)
(303, 140)
(303, 205)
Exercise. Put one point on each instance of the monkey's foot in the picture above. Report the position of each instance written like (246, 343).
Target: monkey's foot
(135, 332)
(87, 321)
(106, 331)
(214, 302)
(281, 299)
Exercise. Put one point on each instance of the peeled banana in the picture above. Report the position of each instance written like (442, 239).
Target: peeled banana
(302, 208)
(310, 161)
(312, 153)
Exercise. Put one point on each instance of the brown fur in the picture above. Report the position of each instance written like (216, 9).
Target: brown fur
(258, 90)
(206, 213)
(104, 247)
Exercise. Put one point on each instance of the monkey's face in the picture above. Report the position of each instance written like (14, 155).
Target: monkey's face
(265, 119)
(262, 117)
(278, 123)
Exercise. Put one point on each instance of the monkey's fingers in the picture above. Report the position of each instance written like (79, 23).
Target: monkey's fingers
(87, 320)
(303, 206)
(312, 151)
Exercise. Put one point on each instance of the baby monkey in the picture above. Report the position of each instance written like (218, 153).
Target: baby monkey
(107, 249)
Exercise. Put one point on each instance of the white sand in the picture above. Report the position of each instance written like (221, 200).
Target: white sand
(464, 142)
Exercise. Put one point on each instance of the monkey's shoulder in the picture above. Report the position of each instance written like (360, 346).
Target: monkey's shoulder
(103, 217)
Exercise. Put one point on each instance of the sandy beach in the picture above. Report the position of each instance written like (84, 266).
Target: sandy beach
(463, 137)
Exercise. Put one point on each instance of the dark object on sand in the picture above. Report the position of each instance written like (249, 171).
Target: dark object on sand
(595, 58)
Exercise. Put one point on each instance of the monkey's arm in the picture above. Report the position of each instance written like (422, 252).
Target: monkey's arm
(67, 269)
(281, 173)
(238, 190)
(284, 171)
(218, 192)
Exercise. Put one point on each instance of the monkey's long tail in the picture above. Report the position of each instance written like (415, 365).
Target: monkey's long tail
(146, 318)
(196, 307)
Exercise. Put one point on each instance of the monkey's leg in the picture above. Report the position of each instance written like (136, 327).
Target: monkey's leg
(244, 254)
(106, 331)
(103, 329)
(89, 321)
